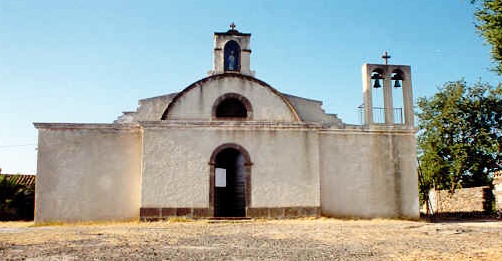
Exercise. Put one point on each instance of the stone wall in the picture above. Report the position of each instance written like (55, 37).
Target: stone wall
(497, 190)
(468, 200)
(465, 200)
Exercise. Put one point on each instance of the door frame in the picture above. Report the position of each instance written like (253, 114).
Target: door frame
(247, 173)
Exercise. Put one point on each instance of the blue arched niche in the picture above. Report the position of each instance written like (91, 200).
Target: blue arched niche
(232, 57)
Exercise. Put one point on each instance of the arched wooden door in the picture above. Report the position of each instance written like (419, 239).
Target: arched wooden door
(230, 181)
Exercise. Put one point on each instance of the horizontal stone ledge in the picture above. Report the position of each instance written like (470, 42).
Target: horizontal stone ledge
(87, 126)
(389, 67)
(365, 130)
(229, 124)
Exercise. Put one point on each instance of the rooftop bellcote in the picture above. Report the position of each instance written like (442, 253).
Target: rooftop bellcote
(231, 53)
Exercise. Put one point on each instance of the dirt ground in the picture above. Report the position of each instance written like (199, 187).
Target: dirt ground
(311, 239)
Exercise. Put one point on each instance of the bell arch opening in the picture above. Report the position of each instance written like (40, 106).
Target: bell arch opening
(230, 181)
(377, 82)
(397, 78)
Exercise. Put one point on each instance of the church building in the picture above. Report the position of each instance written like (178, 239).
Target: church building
(231, 145)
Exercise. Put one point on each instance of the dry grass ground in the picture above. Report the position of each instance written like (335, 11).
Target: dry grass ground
(319, 239)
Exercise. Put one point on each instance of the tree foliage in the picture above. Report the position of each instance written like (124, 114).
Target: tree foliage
(16, 200)
(489, 25)
(460, 135)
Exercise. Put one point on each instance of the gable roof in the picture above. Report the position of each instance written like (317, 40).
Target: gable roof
(26, 180)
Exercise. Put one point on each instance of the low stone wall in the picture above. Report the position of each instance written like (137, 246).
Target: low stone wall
(478, 199)
(497, 190)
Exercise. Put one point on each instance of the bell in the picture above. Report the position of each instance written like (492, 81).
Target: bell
(397, 84)
(377, 83)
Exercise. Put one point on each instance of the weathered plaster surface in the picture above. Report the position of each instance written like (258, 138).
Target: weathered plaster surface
(88, 172)
(151, 109)
(312, 111)
(368, 173)
(197, 103)
(176, 163)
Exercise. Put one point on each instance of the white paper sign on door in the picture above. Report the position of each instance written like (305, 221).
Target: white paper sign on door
(220, 178)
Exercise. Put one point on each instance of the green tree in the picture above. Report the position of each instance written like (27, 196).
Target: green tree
(16, 200)
(489, 25)
(460, 135)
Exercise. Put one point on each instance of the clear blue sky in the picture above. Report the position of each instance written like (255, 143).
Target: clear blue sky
(87, 61)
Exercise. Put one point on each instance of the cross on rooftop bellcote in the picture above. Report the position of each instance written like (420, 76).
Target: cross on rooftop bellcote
(232, 25)
(385, 57)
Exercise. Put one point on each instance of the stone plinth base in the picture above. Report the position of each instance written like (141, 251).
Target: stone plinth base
(152, 214)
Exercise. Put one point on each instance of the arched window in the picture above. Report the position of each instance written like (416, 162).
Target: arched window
(232, 52)
(232, 106)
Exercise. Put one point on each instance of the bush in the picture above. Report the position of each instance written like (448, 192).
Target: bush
(16, 200)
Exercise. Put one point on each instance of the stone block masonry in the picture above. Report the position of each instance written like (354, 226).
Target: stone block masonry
(497, 190)
(478, 199)
(152, 214)
(475, 200)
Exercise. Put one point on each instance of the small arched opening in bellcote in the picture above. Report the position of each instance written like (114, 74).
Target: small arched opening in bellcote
(232, 106)
(397, 78)
(232, 56)
(377, 78)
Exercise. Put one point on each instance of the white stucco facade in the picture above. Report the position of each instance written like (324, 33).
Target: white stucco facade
(376, 166)
(176, 161)
(282, 155)
(88, 172)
